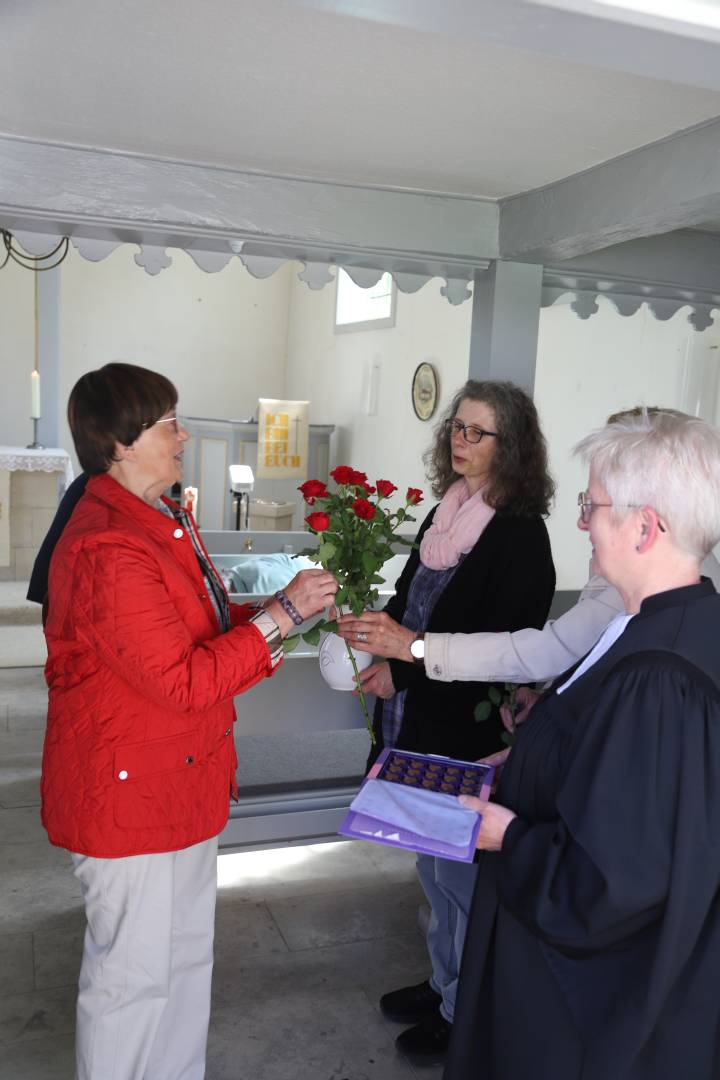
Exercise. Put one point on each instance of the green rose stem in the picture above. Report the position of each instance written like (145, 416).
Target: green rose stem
(361, 695)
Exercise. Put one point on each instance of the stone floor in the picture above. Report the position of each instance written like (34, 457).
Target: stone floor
(22, 643)
(306, 941)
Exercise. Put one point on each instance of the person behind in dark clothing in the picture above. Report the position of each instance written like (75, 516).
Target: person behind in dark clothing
(483, 563)
(593, 944)
(37, 590)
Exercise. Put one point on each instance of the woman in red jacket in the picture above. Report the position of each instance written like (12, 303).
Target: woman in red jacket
(145, 654)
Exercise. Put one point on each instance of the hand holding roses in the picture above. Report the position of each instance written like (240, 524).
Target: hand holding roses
(377, 633)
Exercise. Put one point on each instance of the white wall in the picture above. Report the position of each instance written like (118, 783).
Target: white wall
(221, 337)
(587, 369)
(17, 353)
(332, 371)
(225, 339)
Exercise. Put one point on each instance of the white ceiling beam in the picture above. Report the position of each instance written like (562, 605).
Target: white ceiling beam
(672, 184)
(599, 36)
(105, 196)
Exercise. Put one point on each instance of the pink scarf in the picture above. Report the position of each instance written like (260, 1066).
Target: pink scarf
(459, 521)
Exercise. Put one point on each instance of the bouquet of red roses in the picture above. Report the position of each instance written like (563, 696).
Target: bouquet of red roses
(356, 537)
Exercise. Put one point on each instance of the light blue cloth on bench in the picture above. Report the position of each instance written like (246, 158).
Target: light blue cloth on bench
(265, 574)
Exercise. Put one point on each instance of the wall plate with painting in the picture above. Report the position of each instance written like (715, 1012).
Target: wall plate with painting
(424, 391)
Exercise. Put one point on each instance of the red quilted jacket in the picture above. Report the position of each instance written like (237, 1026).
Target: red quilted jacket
(139, 754)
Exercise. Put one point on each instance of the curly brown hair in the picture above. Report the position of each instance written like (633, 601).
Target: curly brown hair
(519, 479)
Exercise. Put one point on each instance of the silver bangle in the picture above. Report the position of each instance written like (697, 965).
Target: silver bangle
(288, 607)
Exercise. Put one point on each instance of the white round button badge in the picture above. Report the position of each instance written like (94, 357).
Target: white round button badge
(178, 534)
(122, 775)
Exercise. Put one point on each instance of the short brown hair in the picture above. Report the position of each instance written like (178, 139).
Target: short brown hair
(114, 405)
(519, 480)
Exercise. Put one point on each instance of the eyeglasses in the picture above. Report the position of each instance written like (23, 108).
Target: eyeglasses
(587, 506)
(470, 433)
(165, 420)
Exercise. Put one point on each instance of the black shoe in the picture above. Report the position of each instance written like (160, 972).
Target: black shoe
(426, 1043)
(411, 1003)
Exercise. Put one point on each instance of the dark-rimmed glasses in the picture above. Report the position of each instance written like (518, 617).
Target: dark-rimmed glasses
(470, 433)
(587, 506)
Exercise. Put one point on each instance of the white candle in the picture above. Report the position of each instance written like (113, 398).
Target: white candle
(35, 395)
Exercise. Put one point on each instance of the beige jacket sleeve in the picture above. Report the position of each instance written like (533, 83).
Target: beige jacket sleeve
(533, 655)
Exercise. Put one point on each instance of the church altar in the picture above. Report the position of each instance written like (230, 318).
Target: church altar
(31, 484)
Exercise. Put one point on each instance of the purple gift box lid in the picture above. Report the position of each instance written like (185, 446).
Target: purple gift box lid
(431, 772)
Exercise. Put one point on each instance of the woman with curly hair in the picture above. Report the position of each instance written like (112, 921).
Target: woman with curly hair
(482, 563)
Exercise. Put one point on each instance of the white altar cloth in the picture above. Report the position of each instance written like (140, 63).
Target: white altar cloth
(49, 459)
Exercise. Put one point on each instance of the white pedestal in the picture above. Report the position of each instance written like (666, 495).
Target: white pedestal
(271, 516)
(31, 482)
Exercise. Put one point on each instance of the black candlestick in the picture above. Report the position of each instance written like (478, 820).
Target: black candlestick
(34, 445)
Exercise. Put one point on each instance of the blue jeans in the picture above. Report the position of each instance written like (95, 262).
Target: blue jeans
(448, 886)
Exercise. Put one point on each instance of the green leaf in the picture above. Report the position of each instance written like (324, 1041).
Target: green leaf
(495, 695)
(330, 626)
(290, 644)
(507, 738)
(369, 562)
(326, 551)
(341, 596)
(377, 580)
(312, 637)
(482, 711)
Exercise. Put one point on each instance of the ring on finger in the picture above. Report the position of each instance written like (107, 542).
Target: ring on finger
(360, 636)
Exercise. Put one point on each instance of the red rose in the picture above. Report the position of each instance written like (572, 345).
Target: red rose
(359, 479)
(414, 496)
(312, 490)
(343, 474)
(318, 521)
(369, 490)
(385, 488)
(363, 509)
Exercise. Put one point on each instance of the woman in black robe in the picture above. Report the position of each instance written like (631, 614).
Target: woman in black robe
(593, 947)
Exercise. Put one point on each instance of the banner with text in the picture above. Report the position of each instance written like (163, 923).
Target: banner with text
(283, 437)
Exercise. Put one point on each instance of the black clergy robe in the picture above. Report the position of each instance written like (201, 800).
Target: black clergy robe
(593, 948)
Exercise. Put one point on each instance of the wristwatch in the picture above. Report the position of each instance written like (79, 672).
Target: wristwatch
(417, 650)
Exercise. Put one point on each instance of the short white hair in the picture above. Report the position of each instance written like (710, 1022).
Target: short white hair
(667, 461)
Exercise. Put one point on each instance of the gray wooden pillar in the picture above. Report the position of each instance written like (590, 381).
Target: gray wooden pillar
(505, 318)
(47, 352)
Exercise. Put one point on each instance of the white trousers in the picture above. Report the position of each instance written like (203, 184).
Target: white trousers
(144, 994)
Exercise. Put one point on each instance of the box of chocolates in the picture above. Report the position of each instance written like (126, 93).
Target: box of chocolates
(410, 800)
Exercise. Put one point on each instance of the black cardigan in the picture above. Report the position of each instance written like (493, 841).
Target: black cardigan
(506, 582)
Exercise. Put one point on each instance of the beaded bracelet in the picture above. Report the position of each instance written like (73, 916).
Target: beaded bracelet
(288, 607)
